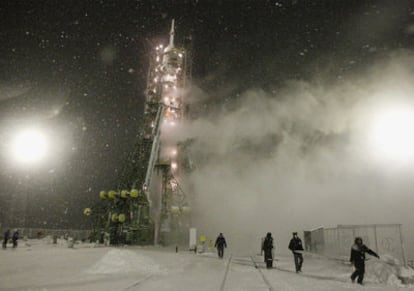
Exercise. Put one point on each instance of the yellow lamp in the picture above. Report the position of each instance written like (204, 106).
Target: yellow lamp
(111, 194)
(186, 210)
(124, 194)
(175, 210)
(121, 218)
(87, 211)
(134, 193)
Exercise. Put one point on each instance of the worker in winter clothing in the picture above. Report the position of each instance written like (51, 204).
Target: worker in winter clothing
(295, 246)
(267, 247)
(6, 238)
(15, 238)
(358, 251)
(220, 245)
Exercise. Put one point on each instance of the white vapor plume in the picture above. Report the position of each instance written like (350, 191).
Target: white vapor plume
(299, 159)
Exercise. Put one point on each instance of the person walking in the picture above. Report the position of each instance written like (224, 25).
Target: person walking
(15, 238)
(357, 258)
(6, 238)
(296, 247)
(267, 248)
(220, 245)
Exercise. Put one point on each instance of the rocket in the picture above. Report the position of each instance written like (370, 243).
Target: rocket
(171, 43)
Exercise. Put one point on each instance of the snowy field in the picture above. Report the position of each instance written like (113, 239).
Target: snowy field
(40, 265)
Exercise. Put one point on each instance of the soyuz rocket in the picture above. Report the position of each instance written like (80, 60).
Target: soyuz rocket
(149, 205)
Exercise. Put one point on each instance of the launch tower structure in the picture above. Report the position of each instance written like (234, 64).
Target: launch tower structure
(149, 205)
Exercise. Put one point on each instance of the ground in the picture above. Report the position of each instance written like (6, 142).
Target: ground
(41, 265)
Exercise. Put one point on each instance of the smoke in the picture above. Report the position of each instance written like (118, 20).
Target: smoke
(298, 159)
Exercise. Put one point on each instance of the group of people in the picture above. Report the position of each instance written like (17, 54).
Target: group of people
(295, 245)
(14, 238)
(357, 259)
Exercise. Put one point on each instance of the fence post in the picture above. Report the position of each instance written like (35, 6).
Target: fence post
(402, 246)
(375, 237)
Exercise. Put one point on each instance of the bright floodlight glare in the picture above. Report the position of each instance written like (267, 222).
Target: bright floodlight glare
(393, 133)
(29, 146)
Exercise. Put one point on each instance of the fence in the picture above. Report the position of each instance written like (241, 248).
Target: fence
(382, 238)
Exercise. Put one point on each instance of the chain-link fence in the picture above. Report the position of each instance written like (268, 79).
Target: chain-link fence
(382, 238)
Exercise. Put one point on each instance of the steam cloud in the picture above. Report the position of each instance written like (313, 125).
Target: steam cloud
(299, 159)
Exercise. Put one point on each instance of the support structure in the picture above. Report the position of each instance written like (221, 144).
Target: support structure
(149, 206)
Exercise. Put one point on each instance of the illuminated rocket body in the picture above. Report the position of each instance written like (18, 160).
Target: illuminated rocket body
(149, 205)
(166, 83)
(165, 86)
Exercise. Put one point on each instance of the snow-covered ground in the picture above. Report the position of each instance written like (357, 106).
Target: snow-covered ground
(40, 265)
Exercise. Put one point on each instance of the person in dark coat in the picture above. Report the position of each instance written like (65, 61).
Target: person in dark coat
(267, 248)
(15, 238)
(358, 251)
(6, 238)
(295, 246)
(220, 245)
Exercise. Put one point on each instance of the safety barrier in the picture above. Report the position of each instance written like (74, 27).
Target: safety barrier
(382, 238)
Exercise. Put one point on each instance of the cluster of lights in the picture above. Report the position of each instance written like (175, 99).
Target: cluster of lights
(165, 81)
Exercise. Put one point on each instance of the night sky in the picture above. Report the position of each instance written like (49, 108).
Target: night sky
(79, 69)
